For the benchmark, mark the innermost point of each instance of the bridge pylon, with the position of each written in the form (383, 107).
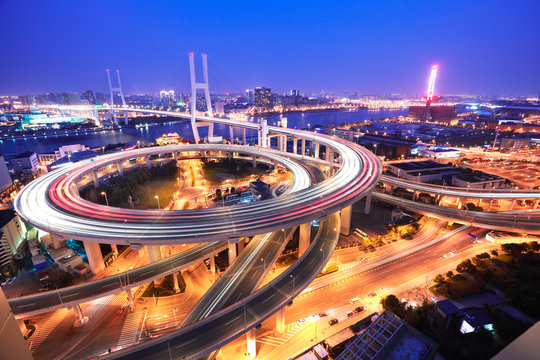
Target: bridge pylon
(193, 103)
(117, 89)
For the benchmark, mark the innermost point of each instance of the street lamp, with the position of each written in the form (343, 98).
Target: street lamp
(174, 311)
(106, 198)
(157, 198)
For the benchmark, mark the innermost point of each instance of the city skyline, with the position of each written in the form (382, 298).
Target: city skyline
(365, 48)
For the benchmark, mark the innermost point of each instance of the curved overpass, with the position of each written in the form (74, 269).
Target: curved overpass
(461, 192)
(521, 221)
(52, 203)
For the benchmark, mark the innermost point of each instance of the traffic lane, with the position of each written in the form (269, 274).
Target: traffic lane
(112, 284)
(202, 337)
(242, 277)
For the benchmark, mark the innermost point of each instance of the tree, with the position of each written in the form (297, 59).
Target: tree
(449, 274)
(439, 279)
(494, 252)
(511, 249)
(392, 304)
(218, 192)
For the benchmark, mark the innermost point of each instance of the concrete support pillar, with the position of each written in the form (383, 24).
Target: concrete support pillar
(56, 240)
(304, 238)
(244, 142)
(440, 199)
(154, 253)
(346, 220)
(232, 251)
(512, 206)
(458, 203)
(327, 154)
(536, 203)
(254, 162)
(94, 255)
(241, 245)
(280, 321)
(303, 147)
(148, 162)
(231, 134)
(130, 299)
(80, 319)
(175, 281)
(114, 248)
(295, 146)
(212, 264)
(95, 178)
(210, 129)
(317, 148)
(251, 344)
(120, 169)
(175, 156)
(22, 326)
(490, 203)
(367, 206)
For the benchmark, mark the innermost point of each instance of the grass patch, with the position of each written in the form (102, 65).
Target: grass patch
(164, 188)
(32, 330)
(166, 288)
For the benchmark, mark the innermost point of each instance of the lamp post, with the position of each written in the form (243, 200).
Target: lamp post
(174, 311)
(106, 198)
(157, 198)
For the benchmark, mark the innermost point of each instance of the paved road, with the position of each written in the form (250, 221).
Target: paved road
(56, 299)
(202, 337)
(516, 221)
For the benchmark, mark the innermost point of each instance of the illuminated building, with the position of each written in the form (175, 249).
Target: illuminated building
(263, 97)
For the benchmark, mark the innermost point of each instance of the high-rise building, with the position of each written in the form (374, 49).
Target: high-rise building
(89, 95)
(250, 96)
(167, 98)
(295, 92)
(263, 97)
(5, 178)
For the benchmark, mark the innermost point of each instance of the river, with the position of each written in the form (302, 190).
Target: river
(149, 134)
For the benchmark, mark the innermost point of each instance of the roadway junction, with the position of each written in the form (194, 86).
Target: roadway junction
(52, 203)
(324, 188)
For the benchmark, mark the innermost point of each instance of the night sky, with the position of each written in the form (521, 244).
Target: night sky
(486, 47)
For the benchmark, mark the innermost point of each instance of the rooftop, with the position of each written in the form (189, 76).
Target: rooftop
(420, 165)
(388, 337)
(477, 177)
(447, 306)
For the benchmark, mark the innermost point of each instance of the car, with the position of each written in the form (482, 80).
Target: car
(354, 299)
(358, 309)
(5, 282)
(300, 321)
(322, 314)
(349, 313)
(372, 294)
(11, 281)
(334, 321)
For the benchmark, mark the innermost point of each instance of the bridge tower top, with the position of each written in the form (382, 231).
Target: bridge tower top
(199, 86)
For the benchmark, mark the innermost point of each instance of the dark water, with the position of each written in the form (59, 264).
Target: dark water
(149, 134)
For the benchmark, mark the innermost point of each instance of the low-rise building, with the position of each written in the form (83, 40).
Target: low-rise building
(422, 171)
(12, 236)
(26, 163)
(515, 143)
(478, 180)
(439, 152)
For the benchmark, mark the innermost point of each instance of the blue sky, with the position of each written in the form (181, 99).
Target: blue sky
(482, 47)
